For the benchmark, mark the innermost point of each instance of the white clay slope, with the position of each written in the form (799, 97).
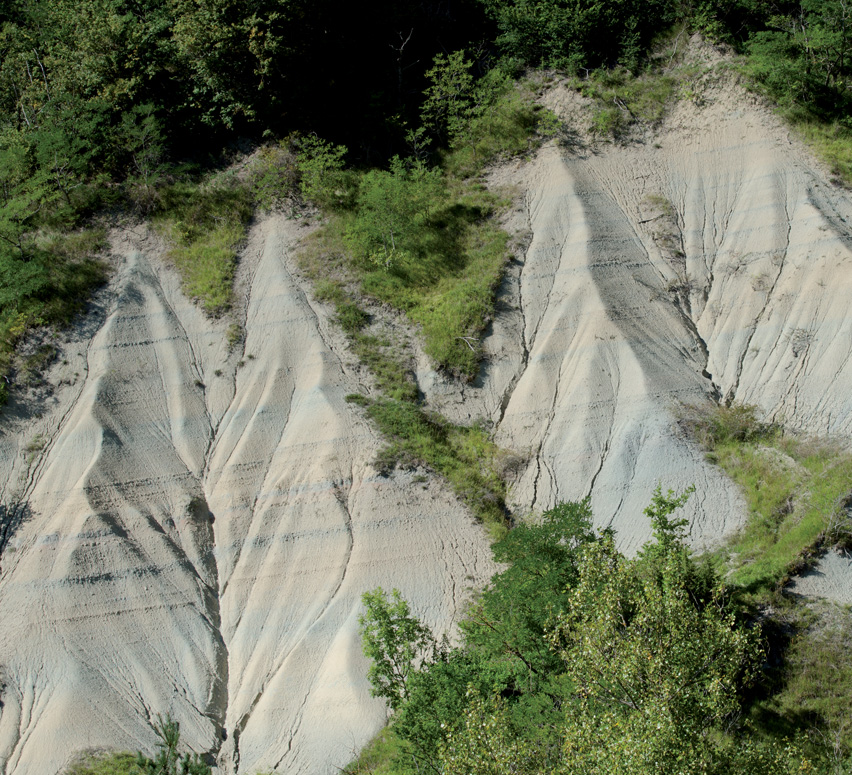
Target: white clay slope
(182, 542)
(198, 544)
(711, 260)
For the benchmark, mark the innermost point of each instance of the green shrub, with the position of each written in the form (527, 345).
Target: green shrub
(719, 424)
(206, 223)
(167, 758)
(323, 179)
(385, 754)
(351, 317)
(505, 121)
(274, 176)
(393, 210)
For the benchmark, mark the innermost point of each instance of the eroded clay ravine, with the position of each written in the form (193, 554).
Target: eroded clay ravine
(708, 260)
(200, 530)
(188, 530)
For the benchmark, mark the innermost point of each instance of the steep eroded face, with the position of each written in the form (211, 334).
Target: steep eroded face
(201, 526)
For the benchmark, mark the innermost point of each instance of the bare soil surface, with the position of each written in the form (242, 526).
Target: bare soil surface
(194, 530)
(829, 579)
(188, 529)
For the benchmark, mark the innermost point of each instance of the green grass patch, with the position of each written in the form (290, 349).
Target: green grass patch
(830, 142)
(621, 98)
(48, 285)
(108, 763)
(379, 356)
(794, 488)
(206, 223)
(464, 456)
(385, 754)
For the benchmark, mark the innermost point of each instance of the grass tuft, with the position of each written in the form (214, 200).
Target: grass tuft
(381, 756)
(795, 488)
(206, 223)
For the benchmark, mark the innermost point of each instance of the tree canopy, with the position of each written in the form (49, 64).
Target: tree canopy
(578, 660)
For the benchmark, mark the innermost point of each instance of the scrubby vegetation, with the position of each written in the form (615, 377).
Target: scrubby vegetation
(576, 659)
(796, 489)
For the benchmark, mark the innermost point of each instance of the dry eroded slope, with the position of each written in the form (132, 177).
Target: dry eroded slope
(183, 541)
(197, 544)
(710, 259)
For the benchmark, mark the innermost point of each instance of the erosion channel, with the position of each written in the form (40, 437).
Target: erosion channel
(189, 530)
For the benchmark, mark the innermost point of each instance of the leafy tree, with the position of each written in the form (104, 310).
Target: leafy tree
(658, 661)
(396, 642)
(437, 698)
(505, 650)
(67, 143)
(19, 280)
(803, 57)
(484, 742)
(447, 107)
(653, 673)
(242, 55)
(513, 613)
(143, 139)
(578, 660)
(24, 191)
(391, 206)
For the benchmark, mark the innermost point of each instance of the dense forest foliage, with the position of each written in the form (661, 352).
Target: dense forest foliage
(577, 660)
